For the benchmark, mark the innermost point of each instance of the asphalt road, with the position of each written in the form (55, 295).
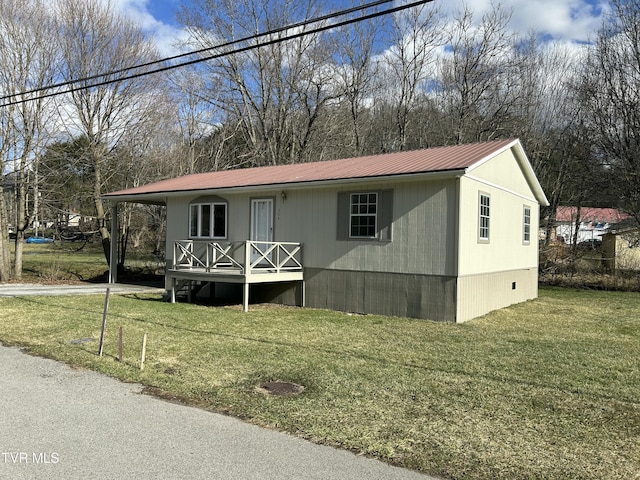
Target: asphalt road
(61, 423)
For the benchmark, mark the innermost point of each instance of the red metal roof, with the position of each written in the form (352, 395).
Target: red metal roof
(590, 214)
(432, 160)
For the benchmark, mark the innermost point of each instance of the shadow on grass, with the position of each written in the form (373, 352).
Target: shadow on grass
(39, 301)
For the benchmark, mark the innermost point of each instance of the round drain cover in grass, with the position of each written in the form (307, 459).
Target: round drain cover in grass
(280, 388)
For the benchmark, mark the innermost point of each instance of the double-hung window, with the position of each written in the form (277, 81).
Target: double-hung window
(363, 217)
(208, 220)
(526, 225)
(484, 217)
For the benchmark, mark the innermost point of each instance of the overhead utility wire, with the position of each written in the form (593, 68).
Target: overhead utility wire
(202, 50)
(224, 54)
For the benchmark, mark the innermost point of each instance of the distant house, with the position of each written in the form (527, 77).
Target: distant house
(591, 225)
(446, 233)
(73, 219)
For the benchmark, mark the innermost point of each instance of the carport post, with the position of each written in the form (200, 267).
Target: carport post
(113, 254)
(245, 297)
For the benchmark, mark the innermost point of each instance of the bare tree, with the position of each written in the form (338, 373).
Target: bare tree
(195, 117)
(97, 40)
(355, 73)
(202, 137)
(415, 35)
(610, 94)
(476, 89)
(276, 93)
(548, 119)
(151, 154)
(27, 62)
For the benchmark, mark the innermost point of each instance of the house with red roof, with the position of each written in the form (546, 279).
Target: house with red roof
(585, 224)
(446, 233)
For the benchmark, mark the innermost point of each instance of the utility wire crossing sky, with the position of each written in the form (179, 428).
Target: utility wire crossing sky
(323, 20)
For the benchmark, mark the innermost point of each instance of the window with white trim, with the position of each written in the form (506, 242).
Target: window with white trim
(363, 216)
(526, 224)
(208, 220)
(484, 217)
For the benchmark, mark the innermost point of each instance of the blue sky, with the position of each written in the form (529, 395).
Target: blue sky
(560, 20)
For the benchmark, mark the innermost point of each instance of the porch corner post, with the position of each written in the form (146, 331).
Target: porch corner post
(245, 297)
(113, 254)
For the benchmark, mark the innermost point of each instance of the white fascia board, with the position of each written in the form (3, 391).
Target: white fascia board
(524, 163)
(500, 187)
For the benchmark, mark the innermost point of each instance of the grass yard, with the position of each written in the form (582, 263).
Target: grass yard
(546, 389)
(67, 262)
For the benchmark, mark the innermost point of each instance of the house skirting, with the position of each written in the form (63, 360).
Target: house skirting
(480, 294)
(402, 295)
(431, 297)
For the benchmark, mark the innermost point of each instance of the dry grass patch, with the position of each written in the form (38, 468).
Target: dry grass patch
(545, 389)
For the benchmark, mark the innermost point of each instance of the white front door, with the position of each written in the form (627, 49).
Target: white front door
(261, 224)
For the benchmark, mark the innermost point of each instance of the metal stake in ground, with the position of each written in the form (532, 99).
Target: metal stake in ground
(104, 321)
(144, 350)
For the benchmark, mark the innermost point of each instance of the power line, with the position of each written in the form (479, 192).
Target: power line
(203, 50)
(219, 55)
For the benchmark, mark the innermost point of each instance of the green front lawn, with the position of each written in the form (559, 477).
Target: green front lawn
(73, 262)
(546, 389)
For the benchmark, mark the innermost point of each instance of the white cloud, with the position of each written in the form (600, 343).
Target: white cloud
(166, 36)
(564, 20)
(559, 20)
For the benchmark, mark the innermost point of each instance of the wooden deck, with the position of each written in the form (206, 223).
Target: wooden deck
(245, 262)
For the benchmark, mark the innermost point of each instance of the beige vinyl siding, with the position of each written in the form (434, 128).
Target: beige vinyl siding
(480, 294)
(505, 249)
(504, 170)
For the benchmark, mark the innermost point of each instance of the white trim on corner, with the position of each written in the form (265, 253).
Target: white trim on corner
(525, 164)
(499, 187)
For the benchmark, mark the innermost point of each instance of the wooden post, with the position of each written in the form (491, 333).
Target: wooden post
(120, 344)
(104, 321)
(144, 351)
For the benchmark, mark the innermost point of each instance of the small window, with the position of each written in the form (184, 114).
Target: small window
(484, 217)
(526, 225)
(365, 216)
(208, 220)
(364, 212)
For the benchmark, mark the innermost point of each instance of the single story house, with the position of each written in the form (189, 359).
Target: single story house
(446, 233)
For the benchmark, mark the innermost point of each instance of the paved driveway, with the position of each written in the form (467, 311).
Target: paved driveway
(22, 289)
(61, 423)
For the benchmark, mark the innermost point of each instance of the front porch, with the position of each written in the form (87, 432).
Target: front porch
(245, 262)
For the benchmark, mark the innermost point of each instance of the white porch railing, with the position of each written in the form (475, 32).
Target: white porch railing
(246, 257)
